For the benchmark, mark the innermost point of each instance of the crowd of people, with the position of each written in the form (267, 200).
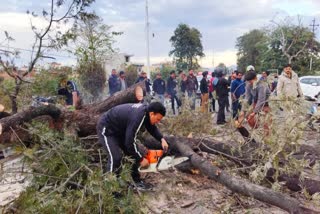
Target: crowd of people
(253, 91)
(238, 86)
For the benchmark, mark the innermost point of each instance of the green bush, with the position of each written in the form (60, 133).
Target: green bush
(66, 181)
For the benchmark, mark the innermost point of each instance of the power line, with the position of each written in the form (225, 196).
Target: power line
(28, 50)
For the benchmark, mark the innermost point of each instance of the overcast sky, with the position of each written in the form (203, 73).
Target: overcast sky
(219, 21)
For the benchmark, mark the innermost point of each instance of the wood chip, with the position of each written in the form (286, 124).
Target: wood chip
(187, 204)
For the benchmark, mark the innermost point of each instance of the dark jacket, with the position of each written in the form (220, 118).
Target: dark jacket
(159, 86)
(260, 95)
(191, 83)
(204, 86)
(183, 86)
(222, 87)
(171, 86)
(148, 84)
(67, 91)
(114, 84)
(125, 121)
(237, 88)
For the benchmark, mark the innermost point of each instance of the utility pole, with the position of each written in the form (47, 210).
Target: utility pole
(147, 40)
(314, 25)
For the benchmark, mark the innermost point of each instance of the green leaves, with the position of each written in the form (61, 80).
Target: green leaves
(66, 182)
(187, 47)
(281, 43)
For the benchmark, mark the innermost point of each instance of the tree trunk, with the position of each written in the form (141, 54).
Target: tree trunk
(83, 120)
(242, 186)
(242, 158)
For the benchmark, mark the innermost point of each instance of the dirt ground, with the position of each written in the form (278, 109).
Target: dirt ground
(177, 192)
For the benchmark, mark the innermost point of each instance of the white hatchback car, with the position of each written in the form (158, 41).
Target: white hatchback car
(310, 85)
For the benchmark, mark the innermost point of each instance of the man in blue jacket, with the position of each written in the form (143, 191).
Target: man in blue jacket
(237, 90)
(159, 87)
(117, 130)
(114, 82)
(69, 89)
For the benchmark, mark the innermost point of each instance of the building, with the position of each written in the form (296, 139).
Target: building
(117, 61)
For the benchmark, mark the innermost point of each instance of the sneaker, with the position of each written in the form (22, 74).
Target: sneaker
(142, 186)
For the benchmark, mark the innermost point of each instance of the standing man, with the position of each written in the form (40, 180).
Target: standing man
(159, 87)
(181, 84)
(142, 77)
(114, 82)
(248, 95)
(222, 92)
(117, 131)
(261, 92)
(192, 87)
(172, 90)
(69, 89)
(204, 92)
(123, 81)
(211, 92)
(237, 90)
(288, 83)
(191, 84)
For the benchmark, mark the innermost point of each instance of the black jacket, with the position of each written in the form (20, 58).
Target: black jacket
(114, 84)
(125, 121)
(222, 89)
(67, 91)
(204, 86)
(148, 84)
(159, 86)
(171, 86)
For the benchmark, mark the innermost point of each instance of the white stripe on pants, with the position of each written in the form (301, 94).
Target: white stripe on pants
(106, 143)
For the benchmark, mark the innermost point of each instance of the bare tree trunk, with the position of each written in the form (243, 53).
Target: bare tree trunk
(242, 186)
(243, 157)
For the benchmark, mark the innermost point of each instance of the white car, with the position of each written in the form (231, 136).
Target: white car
(310, 85)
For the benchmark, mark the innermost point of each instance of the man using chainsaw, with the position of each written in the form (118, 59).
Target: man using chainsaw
(117, 130)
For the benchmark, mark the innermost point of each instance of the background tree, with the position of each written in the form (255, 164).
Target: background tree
(281, 43)
(251, 47)
(295, 41)
(187, 47)
(46, 39)
(93, 41)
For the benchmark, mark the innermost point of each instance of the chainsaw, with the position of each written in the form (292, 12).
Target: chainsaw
(160, 162)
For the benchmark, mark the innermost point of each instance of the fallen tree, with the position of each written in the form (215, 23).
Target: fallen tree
(242, 186)
(241, 158)
(83, 121)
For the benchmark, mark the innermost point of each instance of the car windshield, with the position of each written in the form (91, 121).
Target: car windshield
(311, 80)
